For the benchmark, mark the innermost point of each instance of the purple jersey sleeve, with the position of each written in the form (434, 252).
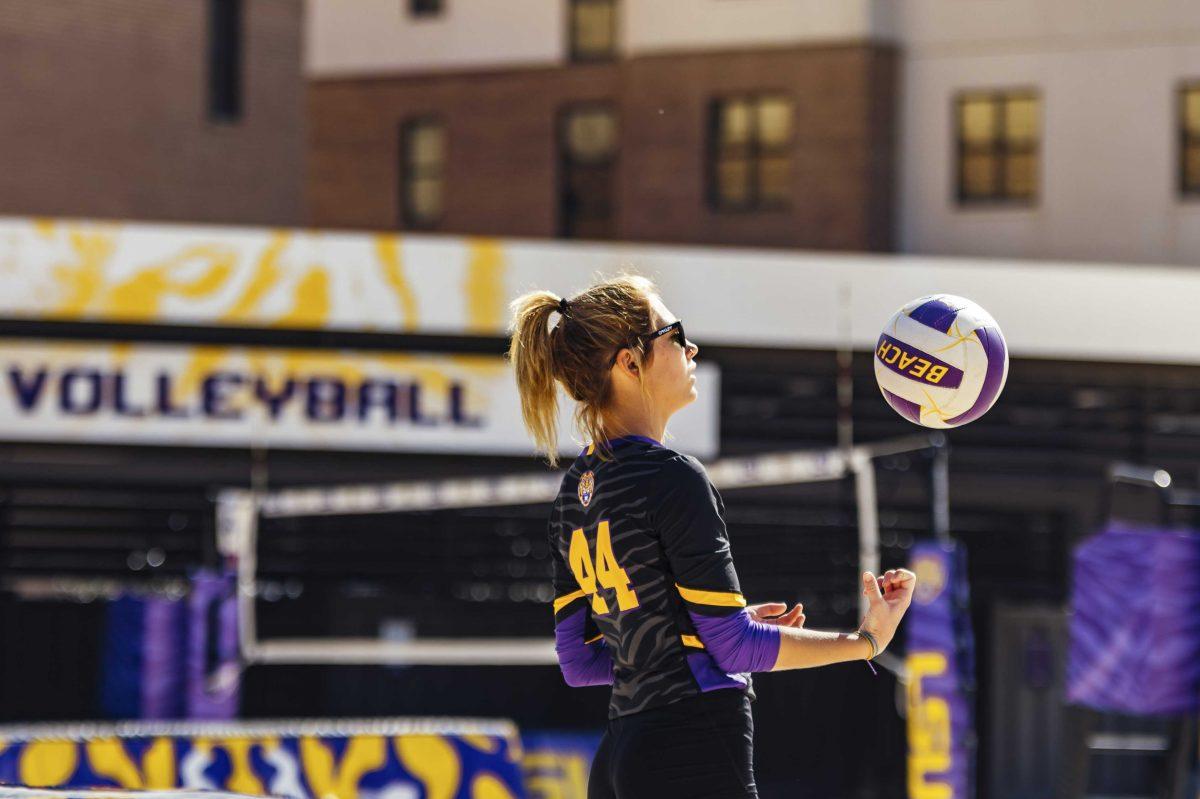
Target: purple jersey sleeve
(737, 643)
(582, 655)
(582, 663)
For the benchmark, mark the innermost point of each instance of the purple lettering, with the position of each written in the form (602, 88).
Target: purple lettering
(274, 400)
(120, 401)
(458, 411)
(93, 388)
(326, 400)
(377, 394)
(215, 398)
(162, 391)
(28, 393)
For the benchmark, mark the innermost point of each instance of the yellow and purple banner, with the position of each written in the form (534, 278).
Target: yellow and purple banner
(399, 759)
(940, 665)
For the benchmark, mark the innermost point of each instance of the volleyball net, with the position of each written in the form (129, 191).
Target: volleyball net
(249, 521)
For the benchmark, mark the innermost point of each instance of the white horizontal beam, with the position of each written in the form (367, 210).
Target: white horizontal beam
(421, 652)
(784, 468)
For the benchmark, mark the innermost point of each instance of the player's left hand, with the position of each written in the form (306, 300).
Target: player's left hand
(774, 613)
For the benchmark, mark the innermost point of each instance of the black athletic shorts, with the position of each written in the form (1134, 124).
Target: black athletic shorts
(701, 747)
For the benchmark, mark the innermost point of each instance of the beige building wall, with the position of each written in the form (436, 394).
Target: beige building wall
(651, 26)
(369, 37)
(1108, 74)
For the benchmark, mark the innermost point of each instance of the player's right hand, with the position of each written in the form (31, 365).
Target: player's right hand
(887, 600)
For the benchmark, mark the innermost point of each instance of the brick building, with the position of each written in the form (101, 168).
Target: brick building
(144, 109)
(579, 119)
(1068, 130)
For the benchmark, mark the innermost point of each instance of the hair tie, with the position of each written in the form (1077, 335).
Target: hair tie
(562, 306)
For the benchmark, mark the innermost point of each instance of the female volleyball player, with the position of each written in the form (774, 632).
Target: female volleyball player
(647, 599)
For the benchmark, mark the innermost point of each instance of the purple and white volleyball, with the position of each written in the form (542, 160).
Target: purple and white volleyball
(941, 361)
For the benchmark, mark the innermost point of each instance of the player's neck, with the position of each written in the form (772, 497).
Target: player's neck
(635, 422)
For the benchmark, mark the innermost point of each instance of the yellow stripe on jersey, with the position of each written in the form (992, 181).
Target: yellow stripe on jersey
(594, 640)
(691, 640)
(725, 599)
(591, 449)
(567, 599)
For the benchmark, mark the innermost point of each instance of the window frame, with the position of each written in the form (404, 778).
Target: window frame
(574, 54)
(1001, 148)
(225, 45)
(565, 162)
(1185, 140)
(418, 12)
(409, 219)
(754, 153)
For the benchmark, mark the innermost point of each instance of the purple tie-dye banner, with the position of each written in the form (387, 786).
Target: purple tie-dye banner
(941, 668)
(214, 669)
(1135, 625)
(163, 628)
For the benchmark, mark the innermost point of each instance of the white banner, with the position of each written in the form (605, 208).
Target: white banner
(308, 399)
(255, 277)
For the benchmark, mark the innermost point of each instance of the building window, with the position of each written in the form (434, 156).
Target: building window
(588, 151)
(593, 29)
(422, 161)
(424, 8)
(998, 136)
(1189, 139)
(225, 60)
(750, 152)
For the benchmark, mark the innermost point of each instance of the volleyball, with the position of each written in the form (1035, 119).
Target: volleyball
(941, 361)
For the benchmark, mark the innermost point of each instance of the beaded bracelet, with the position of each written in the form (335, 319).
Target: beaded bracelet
(874, 644)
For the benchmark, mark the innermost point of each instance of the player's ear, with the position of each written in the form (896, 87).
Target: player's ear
(627, 362)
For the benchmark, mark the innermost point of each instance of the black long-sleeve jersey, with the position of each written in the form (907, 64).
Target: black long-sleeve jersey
(640, 549)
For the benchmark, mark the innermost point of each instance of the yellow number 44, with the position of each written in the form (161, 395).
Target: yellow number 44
(606, 571)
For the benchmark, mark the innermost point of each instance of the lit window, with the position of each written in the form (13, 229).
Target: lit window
(424, 8)
(998, 137)
(750, 147)
(593, 29)
(1189, 135)
(422, 158)
(588, 144)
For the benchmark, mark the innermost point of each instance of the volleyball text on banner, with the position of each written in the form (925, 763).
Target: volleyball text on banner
(170, 394)
(940, 665)
(1135, 621)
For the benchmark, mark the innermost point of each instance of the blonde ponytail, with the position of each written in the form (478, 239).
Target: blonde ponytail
(577, 352)
(532, 354)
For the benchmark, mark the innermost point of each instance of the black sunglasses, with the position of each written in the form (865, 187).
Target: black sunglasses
(675, 327)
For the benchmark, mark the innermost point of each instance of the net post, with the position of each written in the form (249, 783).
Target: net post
(863, 468)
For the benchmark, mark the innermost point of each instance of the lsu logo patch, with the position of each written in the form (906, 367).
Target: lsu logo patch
(587, 485)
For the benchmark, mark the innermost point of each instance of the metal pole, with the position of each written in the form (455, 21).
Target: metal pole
(868, 521)
(939, 490)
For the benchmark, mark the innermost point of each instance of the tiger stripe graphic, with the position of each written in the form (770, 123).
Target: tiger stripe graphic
(648, 546)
